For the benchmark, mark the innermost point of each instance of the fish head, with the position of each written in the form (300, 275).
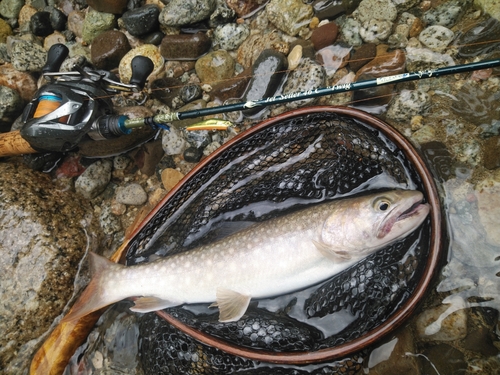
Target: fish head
(369, 223)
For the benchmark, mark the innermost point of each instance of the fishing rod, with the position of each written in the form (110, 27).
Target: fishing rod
(75, 105)
(335, 89)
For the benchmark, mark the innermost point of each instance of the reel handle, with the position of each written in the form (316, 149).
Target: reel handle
(55, 57)
(142, 67)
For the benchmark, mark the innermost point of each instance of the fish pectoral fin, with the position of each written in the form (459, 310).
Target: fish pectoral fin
(232, 305)
(331, 253)
(148, 304)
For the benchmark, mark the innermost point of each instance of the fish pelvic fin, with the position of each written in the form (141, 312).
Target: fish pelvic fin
(232, 305)
(93, 298)
(331, 253)
(148, 304)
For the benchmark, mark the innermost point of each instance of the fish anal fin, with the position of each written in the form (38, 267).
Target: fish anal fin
(331, 253)
(232, 305)
(148, 304)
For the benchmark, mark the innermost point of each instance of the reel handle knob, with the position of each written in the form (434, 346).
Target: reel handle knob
(55, 57)
(142, 67)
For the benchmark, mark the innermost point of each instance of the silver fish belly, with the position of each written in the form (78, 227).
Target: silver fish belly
(275, 257)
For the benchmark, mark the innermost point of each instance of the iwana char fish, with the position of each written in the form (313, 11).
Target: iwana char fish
(267, 259)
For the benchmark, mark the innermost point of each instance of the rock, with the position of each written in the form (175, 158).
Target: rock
(108, 49)
(324, 35)
(491, 156)
(230, 36)
(309, 75)
(167, 90)
(131, 194)
(58, 19)
(153, 153)
(189, 93)
(333, 58)
(54, 38)
(5, 31)
(147, 50)
(70, 167)
(383, 10)
(489, 6)
(170, 177)
(480, 341)
(444, 359)
(96, 23)
(173, 142)
(403, 5)
(75, 22)
(108, 221)
(27, 56)
(121, 162)
(267, 75)
(481, 39)
(446, 322)
(185, 12)
(185, 46)
(488, 200)
(94, 180)
(40, 24)
(362, 56)
(384, 64)
(408, 103)
(22, 82)
(244, 8)
(436, 37)
(290, 16)
(253, 46)
(192, 154)
(10, 8)
(43, 235)
(11, 106)
(108, 6)
(222, 14)
(350, 32)
(328, 9)
(446, 14)
(375, 31)
(166, 161)
(143, 20)
(294, 57)
(215, 66)
(425, 134)
(423, 58)
(232, 88)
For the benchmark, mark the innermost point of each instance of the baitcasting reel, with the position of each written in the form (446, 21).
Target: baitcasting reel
(76, 104)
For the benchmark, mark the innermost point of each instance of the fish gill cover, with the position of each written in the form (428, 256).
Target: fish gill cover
(288, 164)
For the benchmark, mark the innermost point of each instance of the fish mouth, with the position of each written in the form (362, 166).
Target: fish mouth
(405, 218)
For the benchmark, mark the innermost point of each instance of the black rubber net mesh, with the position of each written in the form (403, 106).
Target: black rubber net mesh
(299, 161)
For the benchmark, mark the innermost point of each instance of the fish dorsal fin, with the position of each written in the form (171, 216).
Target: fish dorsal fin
(148, 304)
(331, 253)
(232, 305)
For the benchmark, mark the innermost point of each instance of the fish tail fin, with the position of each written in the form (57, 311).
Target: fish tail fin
(93, 297)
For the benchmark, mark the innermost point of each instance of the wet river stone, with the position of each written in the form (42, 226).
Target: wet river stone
(267, 75)
(142, 20)
(108, 6)
(215, 66)
(96, 23)
(108, 48)
(185, 12)
(290, 16)
(185, 46)
(43, 235)
(40, 24)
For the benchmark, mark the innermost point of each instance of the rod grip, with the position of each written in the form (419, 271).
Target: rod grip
(12, 144)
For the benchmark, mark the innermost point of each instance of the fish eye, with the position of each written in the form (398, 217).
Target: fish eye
(382, 204)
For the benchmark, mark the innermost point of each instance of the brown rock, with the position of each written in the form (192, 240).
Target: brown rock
(185, 46)
(108, 48)
(491, 155)
(22, 82)
(324, 35)
(215, 66)
(384, 64)
(108, 6)
(362, 56)
(170, 177)
(231, 88)
(242, 7)
(416, 27)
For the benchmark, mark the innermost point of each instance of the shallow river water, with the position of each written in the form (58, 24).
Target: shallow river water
(456, 328)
